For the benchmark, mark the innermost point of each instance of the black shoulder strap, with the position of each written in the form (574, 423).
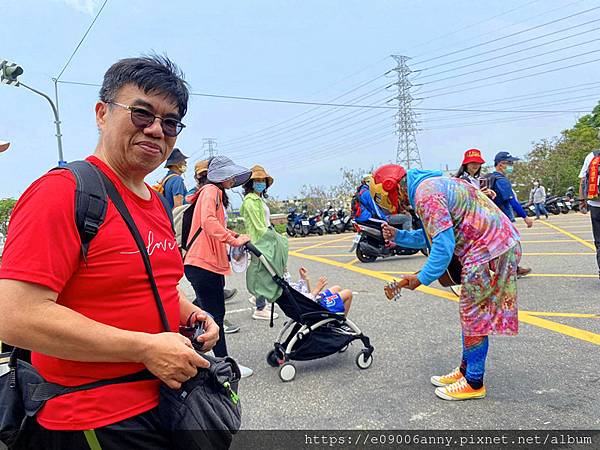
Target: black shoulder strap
(90, 201)
(167, 207)
(120, 205)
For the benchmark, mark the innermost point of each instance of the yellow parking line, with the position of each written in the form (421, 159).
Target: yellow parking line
(524, 317)
(571, 235)
(354, 261)
(558, 314)
(319, 245)
(559, 254)
(535, 233)
(549, 275)
(546, 241)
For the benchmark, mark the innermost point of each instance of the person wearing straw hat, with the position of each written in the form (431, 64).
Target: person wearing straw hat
(200, 171)
(257, 219)
(206, 262)
(172, 183)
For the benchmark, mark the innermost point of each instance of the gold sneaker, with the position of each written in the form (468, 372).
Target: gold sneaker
(444, 380)
(461, 390)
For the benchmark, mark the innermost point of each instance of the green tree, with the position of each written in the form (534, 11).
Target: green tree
(6, 207)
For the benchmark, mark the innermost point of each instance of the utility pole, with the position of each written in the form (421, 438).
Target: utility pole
(407, 152)
(9, 72)
(210, 146)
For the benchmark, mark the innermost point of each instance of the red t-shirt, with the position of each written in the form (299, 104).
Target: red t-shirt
(43, 247)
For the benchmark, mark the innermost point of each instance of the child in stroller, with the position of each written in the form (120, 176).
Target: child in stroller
(335, 299)
(312, 331)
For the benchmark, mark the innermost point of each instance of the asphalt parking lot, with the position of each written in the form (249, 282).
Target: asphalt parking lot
(547, 377)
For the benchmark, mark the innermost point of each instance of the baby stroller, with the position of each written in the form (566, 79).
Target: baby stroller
(311, 332)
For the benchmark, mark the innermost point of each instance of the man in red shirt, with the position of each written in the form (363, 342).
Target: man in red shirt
(96, 319)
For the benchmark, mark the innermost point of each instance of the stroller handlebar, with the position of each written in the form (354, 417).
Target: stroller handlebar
(252, 249)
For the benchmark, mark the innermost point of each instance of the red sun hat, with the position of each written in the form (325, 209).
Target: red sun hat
(473, 155)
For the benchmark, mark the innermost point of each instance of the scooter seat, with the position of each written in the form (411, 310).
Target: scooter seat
(396, 219)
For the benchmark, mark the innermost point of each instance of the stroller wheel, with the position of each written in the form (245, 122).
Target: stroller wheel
(272, 359)
(343, 349)
(363, 361)
(287, 372)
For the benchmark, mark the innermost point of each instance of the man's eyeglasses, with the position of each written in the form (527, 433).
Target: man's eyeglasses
(142, 119)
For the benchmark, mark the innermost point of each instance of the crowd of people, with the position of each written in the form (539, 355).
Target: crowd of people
(84, 305)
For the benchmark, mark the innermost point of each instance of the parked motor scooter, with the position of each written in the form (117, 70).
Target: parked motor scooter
(294, 223)
(315, 224)
(370, 245)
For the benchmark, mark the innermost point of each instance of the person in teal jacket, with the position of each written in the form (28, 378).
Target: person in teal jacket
(257, 219)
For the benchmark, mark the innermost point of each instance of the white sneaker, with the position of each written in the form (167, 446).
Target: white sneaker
(245, 371)
(252, 300)
(264, 314)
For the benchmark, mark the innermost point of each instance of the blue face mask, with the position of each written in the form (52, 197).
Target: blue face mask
(509, 170)
(259, 186)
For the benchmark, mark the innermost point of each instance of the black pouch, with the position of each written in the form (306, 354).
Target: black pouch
(16, 404)
(205, 412)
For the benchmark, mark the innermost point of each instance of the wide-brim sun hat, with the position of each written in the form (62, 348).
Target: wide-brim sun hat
(473, 155)
(176, 157)
(221, 169)
(258, 172)
(201, 167)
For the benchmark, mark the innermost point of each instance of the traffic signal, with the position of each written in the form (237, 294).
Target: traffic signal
(9, 72)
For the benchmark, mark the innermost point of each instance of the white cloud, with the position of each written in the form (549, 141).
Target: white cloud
(86, 6)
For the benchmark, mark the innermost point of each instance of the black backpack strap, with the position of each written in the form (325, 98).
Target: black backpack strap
(168, 209)
(120, 205)
(90, 201)
(47, 391)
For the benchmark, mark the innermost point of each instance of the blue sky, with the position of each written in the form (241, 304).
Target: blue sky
(310, 50)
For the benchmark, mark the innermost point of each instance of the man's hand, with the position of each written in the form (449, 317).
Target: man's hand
(582, 206)
(211, 330)
(171, 357)
(528, 222)
(389, 232)
(413, 281)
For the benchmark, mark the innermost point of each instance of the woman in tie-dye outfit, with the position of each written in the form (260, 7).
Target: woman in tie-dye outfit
(460, 220)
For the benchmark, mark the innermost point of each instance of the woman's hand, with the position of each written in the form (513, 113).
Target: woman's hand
(240, 240)
(389, 232)
(489, 192)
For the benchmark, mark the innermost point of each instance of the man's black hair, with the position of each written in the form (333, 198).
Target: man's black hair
(153, 74)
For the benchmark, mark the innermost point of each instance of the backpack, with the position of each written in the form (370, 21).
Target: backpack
(91, 202)
(591, 182)
(182, 223)
(355, 205)
(160, 186)
(492, 178)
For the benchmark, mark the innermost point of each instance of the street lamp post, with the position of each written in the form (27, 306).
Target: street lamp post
(9, 72)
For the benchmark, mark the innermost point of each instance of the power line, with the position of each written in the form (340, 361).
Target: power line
(525, 20)
(513, 52)
(532, 95)
(303, 131)
(81, 41)
(490, 121)
(269, 136)
(512, 79)
(510, 35)
(519, 109)
(258, 132)
(344, 105)
(473, 25)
